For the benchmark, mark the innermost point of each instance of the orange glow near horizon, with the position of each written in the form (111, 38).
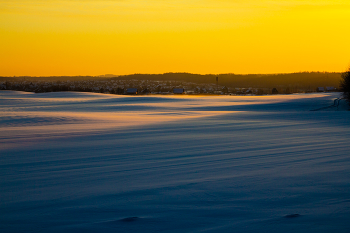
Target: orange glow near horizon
(95, 37)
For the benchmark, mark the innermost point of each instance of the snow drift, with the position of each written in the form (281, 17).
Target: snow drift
(82, 162)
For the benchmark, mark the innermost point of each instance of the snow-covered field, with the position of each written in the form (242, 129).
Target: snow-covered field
(83, 162)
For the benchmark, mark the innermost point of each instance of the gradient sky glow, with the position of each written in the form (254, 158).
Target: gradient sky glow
(93, 37)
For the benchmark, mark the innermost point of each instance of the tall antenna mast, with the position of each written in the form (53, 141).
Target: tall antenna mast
(217, 83)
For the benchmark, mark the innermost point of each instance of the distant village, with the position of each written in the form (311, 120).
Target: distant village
(143, 87)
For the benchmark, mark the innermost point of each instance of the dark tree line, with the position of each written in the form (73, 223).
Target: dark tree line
(345, 85)
(303, 80)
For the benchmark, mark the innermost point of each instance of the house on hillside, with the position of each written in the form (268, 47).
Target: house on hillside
(178, 90)
(131, 91)
(320, 89)
(330, 88)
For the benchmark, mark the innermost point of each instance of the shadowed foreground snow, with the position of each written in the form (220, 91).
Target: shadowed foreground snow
(83, 162)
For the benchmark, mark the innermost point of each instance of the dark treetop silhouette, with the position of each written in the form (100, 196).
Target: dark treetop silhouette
(345, 85)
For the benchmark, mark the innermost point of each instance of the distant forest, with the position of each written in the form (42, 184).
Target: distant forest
(306, 80)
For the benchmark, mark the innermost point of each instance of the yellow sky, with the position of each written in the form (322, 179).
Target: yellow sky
(93, 37)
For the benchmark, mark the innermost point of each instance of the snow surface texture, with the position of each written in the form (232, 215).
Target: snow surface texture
(83, 162)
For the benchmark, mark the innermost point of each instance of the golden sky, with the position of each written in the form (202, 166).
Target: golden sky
(94, 37)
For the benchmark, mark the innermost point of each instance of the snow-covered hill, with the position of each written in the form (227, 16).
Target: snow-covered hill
(83, 162)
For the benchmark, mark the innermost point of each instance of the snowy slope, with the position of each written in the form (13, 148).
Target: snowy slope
(83, 162)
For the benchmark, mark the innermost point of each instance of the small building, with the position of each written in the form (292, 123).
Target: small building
(131, 91)
(178, 90)
(330, 88)
(320, 89)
